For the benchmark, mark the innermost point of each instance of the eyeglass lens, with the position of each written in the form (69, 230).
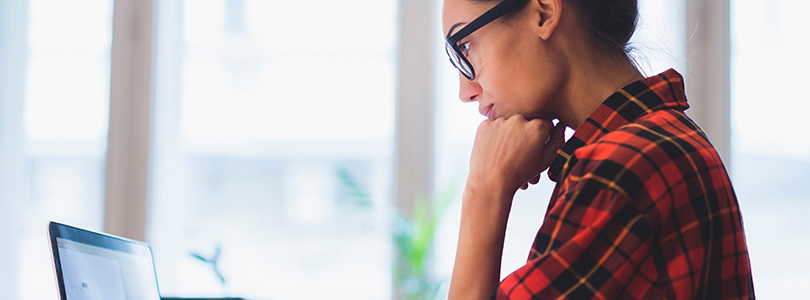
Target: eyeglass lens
(459, 63)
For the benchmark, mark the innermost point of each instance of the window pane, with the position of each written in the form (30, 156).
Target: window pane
(277, 154)
(771, 149)
(63, 130)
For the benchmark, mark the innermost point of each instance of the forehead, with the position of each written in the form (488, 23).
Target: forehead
(458, 11)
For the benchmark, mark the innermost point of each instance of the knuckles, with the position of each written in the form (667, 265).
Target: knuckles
(540, 128)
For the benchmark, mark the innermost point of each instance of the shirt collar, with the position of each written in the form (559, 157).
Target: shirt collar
(658, 92)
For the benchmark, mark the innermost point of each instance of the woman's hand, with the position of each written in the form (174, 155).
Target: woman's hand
(511, 153)
(508, 154)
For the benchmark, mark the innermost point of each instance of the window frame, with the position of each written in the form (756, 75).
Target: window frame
(12, 73)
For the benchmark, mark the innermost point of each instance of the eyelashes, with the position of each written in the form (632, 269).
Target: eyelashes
(465, 48)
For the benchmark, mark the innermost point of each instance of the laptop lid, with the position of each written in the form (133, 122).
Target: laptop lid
(96, 266)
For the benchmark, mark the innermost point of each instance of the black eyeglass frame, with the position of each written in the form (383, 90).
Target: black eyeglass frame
(451, 42)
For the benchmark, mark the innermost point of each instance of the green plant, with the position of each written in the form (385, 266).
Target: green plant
(412, 234)
(353, 192)
(413, 237)
(212, 262)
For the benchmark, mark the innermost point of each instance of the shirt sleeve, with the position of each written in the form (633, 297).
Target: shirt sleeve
(590, 246)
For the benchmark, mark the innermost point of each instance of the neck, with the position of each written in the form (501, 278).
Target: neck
(591, 81)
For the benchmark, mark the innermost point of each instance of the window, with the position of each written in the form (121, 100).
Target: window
(55, 130)
(771, 149)
(274, 149)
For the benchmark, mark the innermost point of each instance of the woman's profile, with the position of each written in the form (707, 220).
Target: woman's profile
(643, 207)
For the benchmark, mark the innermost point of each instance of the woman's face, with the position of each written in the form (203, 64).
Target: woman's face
(515, 69)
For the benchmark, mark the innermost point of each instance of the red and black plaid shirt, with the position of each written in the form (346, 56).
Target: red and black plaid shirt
(643, 209)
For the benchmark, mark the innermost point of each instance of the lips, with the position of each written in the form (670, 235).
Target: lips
(486, 111)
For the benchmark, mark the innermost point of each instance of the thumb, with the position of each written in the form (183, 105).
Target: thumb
(557, 138)
(555, 141)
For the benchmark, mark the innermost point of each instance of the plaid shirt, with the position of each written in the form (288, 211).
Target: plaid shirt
(643, 209)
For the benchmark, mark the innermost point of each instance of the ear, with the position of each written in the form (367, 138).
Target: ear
(547, 14)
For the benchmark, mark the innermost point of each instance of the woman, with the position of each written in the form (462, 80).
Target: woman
(643, 207)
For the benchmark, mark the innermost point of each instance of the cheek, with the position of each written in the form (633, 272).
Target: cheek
(515, 61)
(535, 76)
(510, 94)
(517, 77)
(511, 73)
(519, 89)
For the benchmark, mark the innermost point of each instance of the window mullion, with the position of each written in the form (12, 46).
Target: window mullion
(129, 137)
(708, 79)
(415, 94)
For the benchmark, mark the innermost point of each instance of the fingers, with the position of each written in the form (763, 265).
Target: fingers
(557, 138)
(532, 181)
(536, 179)
(544, 125)
(515, 147)
(555, 141)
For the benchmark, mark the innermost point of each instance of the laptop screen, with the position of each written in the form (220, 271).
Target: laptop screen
(92, 266)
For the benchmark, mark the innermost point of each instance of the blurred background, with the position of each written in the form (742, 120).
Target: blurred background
(316, 148)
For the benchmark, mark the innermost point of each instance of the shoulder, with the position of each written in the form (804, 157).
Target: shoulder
(664, 135)
(661, 147)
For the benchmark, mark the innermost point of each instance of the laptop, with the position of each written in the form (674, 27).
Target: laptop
(91, 265)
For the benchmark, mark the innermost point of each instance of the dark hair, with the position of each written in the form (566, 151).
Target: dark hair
(610, 22)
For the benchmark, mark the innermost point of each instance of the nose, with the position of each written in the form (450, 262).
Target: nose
(469, 90)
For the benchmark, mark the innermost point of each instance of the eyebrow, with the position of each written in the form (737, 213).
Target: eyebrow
(453, 27)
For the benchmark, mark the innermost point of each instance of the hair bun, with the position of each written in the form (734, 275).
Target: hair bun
(611, 22)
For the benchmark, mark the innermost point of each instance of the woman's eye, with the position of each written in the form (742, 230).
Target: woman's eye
(465, 47)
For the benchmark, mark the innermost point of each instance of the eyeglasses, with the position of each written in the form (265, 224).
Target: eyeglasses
(458, 54)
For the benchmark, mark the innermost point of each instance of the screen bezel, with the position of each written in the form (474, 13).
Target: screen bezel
(97, 239)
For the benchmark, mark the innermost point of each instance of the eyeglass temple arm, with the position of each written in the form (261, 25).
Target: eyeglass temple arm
(492, 14)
